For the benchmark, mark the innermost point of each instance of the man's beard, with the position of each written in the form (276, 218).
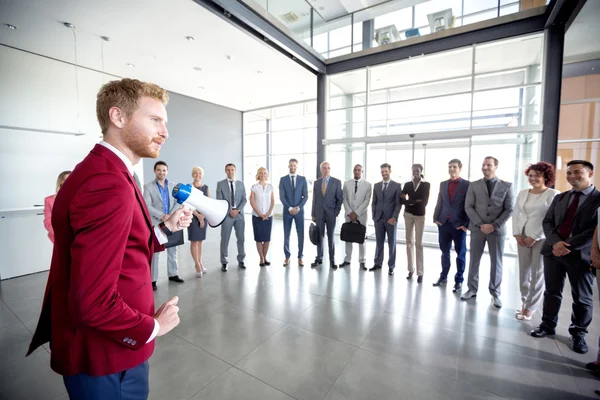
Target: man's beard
(139, 144)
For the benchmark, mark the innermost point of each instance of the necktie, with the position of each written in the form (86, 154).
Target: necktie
(293, 183)
(489, 187)
(355, 186)
(232, 194)
(384, 186)
(564, 230)
(324, 187)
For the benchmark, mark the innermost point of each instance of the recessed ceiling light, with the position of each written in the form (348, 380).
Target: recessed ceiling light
(259, 72)
(69, 25)
(105, 38)
(190, 38)
(197, 69)
(130, 65)
(321, 8)
(301, 92)
(200, 87)
(9, 26)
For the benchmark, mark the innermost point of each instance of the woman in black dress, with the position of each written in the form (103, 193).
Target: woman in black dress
(197, 229)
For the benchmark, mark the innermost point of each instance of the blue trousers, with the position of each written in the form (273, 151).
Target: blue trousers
(131, 384)
(448, 234)
(382, 228)
(287, 229)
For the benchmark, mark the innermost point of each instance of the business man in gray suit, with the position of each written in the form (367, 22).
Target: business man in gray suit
(326, 206)
(357, 196)
(489, 204)
(386, 208)
(233, 191)
(161, 204)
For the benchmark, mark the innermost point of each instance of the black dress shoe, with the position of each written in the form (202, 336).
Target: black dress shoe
(440, 282)
(176, 278)
(420, 279)
(578, 344)
(342, 265)
(154, 287)
(333, 265)
(391, 272)
(540, 332)
(457, 287)
(593, 366)
(363, 266)
(224, 267)
(242, 265)
(375, 267)
(316, 263)
(410, 274)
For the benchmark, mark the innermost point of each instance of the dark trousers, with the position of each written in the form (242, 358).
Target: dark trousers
(447, 234)
(329, 222)
(581, 280)
(382, 228)
(131, 384)
(287, 228)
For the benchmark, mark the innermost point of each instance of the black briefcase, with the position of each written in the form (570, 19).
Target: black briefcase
(353, 232)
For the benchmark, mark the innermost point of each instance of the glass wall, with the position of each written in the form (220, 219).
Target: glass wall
(468, 103)
(274, 135)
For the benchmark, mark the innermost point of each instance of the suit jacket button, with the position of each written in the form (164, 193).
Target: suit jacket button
(126, 339)
(488, 215)
(133, 343)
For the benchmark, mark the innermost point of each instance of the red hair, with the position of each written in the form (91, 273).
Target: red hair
(545, 169)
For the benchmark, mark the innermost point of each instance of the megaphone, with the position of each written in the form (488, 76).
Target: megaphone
(215, 211)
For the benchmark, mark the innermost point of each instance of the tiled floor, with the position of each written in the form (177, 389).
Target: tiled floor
(298, 333)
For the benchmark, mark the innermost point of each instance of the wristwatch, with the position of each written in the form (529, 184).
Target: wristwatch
(163, 227)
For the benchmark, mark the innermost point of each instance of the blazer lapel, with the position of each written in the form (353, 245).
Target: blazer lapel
(140, 199)
(589, 200)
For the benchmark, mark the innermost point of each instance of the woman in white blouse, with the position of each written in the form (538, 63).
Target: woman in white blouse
(262, 201)
(529, 212)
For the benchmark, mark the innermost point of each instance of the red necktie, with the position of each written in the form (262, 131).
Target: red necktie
(564, 231)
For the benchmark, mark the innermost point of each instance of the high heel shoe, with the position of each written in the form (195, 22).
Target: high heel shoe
(523, 317)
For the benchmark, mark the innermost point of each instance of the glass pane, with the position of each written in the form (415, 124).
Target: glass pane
(525, 51)
(358, 32)
(431, 89)
(579, 121)
(255, 145)
(480, 16)
(398, 155)
(310, 140)
(343, 87)
(255, 127)
(511, 9)
(500, 79)
(473, 6)
(401, 19)
(503, 98)
(343, 158)
(589, 151)
(422, 10)
(445, 104)
(281, 142)
(251, 165)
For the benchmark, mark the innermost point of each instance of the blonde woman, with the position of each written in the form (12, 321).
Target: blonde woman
(529, 212)
(49, 204)
(197, 229)
(262, 201)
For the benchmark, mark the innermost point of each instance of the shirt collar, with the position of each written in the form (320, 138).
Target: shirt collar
(455, 180)
(586, 191)
(493, 180)
(119, 154)
(293, 175)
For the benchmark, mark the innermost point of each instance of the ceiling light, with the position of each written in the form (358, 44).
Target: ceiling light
(259, 72)
(321, 8)
(9, 26)
(229, 57)
(105, 38)
(69, 25)
(197, 69)
(130, 65)
(200, 87)
(190, 38)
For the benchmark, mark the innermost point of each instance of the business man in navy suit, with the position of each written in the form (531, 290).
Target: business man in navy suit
(326, 206)
(452, 221)
(293, 193)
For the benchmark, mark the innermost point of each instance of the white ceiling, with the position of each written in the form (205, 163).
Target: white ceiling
(582, 41)
(151, 34)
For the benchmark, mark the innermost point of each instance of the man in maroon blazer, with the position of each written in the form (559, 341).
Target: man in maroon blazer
(98, 310)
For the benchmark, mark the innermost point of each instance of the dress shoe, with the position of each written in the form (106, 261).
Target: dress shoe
(468, 294)
(457, 287)
(363, 266)
(224, 267)
(440, 282)
(316, 263)
(540, 332)
(496, 302)
(176, 278)
(391, 271)
(410, 274)
(333, 265)
(375, 267)
(154, 287)
(242, 265)
(300, 262)
(286, 262)
(593, 366)
(420, 279)
(342, 265)
(578, 344)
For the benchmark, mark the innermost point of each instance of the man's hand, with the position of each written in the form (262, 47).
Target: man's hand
(294, 211)
(528, 242)
(165, 217)
(234, 213)
(560, 249)
(438, 223)
(486, 229)
(181, 218)
(462, 228)
(391, 221)
(353, 216)
(167, 316)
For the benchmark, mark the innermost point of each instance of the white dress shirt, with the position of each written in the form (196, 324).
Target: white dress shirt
(262, 198)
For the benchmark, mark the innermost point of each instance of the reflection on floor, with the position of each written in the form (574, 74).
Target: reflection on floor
(302, 333)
